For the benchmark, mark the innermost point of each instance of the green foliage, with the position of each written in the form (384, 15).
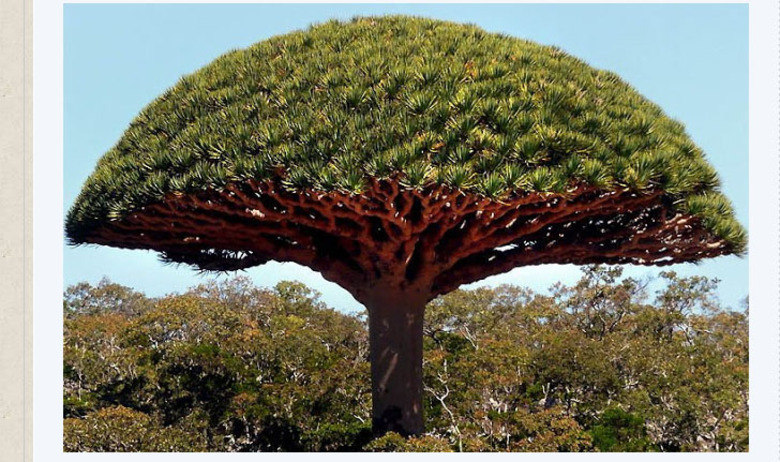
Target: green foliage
(620, 431)
(601, 365)
(330, 106)
(243, 362)
(393, 442)
(83, 298)
(119, 429)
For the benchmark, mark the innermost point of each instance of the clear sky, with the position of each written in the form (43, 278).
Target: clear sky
(692, 60)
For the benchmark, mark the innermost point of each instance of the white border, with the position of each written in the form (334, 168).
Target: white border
(48, 237)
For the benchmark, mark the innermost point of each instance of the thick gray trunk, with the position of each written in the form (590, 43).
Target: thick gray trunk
(396, 337)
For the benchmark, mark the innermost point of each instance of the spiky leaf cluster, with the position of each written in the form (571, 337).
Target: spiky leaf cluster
(425, 100)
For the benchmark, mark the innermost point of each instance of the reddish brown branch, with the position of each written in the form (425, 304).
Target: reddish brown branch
(641, 239)
(429, 240)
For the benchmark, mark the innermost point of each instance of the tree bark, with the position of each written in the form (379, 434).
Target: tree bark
(396, 341)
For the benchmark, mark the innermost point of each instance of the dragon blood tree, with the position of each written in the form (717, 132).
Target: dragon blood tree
(402, 157)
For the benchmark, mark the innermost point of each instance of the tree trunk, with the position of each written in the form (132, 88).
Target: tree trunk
(396, 339)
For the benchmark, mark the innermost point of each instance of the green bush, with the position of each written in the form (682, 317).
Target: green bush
(621, 431)
(119, 429)
(599, 365)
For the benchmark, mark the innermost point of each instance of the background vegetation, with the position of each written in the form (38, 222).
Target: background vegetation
(608, 364)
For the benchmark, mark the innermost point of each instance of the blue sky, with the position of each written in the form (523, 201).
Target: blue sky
(690, 59)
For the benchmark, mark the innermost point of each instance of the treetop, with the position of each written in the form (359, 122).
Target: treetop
(346, 107)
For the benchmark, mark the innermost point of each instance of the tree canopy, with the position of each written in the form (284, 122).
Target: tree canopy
(406, 131)
(606, 364)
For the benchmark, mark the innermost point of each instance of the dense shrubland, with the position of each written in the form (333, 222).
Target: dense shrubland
(607, 364)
